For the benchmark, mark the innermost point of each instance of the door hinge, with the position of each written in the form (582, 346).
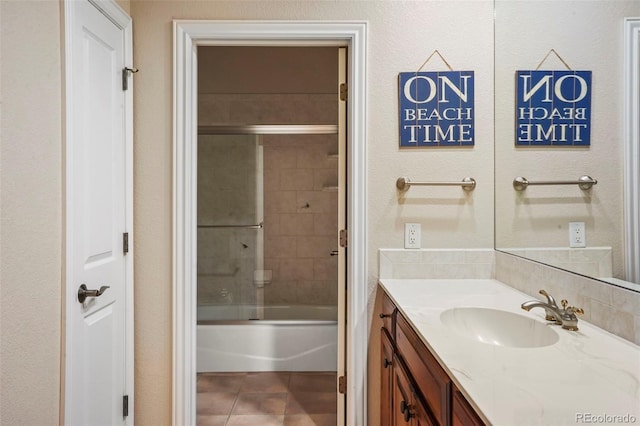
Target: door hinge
(342, 384)
(125, 405)
(343, 238)
(125, 243)
(343, 91)
(125, 76)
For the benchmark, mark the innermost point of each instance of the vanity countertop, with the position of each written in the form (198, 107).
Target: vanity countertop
(587, 376)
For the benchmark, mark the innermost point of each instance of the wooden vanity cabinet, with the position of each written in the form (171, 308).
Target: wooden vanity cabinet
(415, 388)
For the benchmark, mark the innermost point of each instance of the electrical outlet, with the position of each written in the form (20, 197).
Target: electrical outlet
(412, 236)
(577, 234)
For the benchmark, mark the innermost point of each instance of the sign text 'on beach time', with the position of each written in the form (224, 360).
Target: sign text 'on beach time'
(553, 108)
(436, 108)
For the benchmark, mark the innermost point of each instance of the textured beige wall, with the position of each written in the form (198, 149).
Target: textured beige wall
(539, 216)
(401, 35)
(31, 212)
(125, 5)
(274, 70)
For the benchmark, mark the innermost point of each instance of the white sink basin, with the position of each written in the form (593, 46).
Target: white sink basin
(499, 328)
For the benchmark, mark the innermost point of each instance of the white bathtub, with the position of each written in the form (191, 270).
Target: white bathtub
(280, 342)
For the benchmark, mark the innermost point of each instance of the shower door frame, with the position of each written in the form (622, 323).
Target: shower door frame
(188, 35)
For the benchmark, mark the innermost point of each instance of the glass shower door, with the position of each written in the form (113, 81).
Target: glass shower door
(230, 227)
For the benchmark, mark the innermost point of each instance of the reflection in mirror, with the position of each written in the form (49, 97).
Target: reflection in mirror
(535, 222)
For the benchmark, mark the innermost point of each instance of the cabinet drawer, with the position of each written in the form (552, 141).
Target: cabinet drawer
(388, 315)
(432, 381)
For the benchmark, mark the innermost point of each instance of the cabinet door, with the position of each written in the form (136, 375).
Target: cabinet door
(408, 409)
(386, 380)
(463, 413)
(421, 415)
(402, 395)
(432, 381)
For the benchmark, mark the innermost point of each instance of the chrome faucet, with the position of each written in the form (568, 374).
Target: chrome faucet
(566, 317)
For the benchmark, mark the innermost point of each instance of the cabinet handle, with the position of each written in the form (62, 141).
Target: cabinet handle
(385, 316)
(386, 363)
(407, 416)
(406, 410)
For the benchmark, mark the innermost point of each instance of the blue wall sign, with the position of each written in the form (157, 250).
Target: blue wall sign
(436, 108)
(553, 108)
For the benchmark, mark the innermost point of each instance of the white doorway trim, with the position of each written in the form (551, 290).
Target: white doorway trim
(631, 133)
(187, 36)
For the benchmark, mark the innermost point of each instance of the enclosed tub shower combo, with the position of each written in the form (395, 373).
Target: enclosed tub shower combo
(267, 270)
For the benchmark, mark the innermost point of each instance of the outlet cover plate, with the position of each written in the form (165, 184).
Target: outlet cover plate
(412, 236)
(577, 234)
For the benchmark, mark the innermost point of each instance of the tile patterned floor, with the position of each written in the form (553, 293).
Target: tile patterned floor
(267, 399)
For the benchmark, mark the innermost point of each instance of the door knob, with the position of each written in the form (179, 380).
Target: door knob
(83, 293)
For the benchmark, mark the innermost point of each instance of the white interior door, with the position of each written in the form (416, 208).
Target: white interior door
(98, 350)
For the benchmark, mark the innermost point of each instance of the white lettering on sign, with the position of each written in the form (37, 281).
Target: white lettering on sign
(539, 113)
(436, 133)
(424, 114)
(545, 83)
(553, 132)
(461, 91)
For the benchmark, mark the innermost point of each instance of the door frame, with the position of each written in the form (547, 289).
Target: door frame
(123, 21)
(188, 35)
(631, 132)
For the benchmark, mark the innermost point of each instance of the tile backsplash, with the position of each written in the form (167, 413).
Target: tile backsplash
(609, 307)
(591, 261)
(435, 263)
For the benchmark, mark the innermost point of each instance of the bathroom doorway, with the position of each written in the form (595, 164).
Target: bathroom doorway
(271, 196)
(188, 35)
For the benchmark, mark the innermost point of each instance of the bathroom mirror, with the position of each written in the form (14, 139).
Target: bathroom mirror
(535, 222)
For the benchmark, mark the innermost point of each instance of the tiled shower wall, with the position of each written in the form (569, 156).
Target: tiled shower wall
(300, 193)
(300, 199)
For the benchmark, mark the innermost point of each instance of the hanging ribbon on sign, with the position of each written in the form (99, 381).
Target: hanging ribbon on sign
(435, 52)
(557, 55)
